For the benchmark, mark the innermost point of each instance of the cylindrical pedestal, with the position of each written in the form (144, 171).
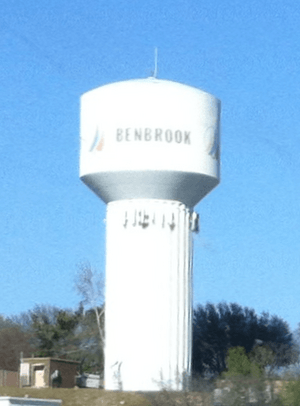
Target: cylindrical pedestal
(148, 305)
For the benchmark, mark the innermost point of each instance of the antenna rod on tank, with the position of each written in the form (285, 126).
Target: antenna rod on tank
(155, 62)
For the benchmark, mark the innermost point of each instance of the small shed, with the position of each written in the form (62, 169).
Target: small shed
(48, 372)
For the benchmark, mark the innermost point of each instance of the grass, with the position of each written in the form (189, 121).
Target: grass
(79, 397)
(201, 394)
(100, 397)
(169, 398)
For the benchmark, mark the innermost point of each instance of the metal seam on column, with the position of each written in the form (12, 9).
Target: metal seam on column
(179, 292)
(179, 307)
(184, 292)
(186, 270)
(180, 310)
(181, 289)
(188, 290)
(191, 249)
(178, 295)
(187, 242)
(188, 287)
(171, 322)
(174, 338)
(174, 296)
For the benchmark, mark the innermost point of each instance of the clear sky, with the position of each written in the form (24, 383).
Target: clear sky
(245, 53)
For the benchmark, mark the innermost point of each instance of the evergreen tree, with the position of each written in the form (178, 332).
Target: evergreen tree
(216, 329)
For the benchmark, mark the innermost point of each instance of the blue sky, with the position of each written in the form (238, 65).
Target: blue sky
(245, 53)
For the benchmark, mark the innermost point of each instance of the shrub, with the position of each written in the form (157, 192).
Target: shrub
(238, 364)
(290, 395)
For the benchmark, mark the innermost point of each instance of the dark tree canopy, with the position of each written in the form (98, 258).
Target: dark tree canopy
(53, 329)
(13, 341)
(218, 328)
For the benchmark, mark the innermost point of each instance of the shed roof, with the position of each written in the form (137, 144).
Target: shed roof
(40, 359)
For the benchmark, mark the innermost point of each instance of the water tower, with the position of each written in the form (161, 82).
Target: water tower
(150, 151)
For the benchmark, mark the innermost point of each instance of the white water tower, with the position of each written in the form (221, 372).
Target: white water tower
(150, 151)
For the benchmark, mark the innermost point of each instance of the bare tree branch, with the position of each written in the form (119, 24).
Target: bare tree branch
(90, 285)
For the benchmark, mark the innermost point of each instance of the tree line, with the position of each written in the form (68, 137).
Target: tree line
(48, 331)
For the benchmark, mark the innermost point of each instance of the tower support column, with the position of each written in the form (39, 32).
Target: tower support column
(148, 305)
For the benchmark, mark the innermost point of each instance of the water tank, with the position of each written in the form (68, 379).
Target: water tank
(150, 138)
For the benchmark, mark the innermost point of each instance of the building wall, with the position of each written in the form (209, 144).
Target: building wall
(68, 372)
(9, 378)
